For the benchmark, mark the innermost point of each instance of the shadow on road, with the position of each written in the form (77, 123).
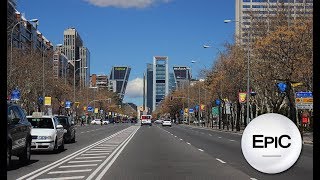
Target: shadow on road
(15, 164)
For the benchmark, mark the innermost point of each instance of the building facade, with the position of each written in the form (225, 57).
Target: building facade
(182, 76)
(60, 65)
(246, 11)
(85, 62)
(160, 79)
(99, 80)
(149, 87)
(118, 80)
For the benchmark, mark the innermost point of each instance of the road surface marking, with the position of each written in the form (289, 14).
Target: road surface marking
(71, 162)
(220, 160)
(181, 139)
(175, 136)
(210, 135)
(253, 179)
(91, 157)
(63, 178)
(231, 140)
(98, 151)
(202, 132)
(114, 156)
(172, 134)
(220, 137)
(188, 143)
(82, 132)
(200, 150)
(95, 154)
(71, 171)
(67, 158)
(79, 165)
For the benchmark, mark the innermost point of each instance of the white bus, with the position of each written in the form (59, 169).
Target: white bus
(146, 120)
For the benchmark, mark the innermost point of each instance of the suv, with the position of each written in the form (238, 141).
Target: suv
(67, 124)
(18, 134)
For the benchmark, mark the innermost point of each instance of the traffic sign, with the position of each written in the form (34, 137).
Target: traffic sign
(15, 95)
(304, 106)
(304, 94)
(191, 110)
(68, 104)
(90, 108)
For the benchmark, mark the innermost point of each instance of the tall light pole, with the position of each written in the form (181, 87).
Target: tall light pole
(43, 86)
(199, 110)
(74, 81)
(11, 44)
(248, 68)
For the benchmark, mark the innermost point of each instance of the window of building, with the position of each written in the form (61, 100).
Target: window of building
(246, 6)
(246, 0)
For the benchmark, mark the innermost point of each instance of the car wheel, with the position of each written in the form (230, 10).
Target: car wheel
(8, 155)
(74, 138)
(61, 147)
(24, 158)
(55, 148)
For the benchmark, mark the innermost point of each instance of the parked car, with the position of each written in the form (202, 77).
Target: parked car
(96, 121)
(18, 134)
(47, 133)
(68, 125)
(167, 122)
(105, 122)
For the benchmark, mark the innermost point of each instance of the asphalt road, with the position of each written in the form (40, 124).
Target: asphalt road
(128, 151)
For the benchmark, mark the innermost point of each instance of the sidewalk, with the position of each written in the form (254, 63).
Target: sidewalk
(307, 136)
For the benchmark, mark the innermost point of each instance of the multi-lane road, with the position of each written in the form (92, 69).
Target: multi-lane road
(128, 151)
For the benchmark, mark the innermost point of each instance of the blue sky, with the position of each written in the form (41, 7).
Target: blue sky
(131, 32)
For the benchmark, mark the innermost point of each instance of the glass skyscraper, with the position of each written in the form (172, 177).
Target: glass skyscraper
(160, 79)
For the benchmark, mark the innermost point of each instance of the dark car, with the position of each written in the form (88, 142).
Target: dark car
(18, 134)
(67, 124)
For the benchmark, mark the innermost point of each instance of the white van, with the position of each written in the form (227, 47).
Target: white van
(146, 120)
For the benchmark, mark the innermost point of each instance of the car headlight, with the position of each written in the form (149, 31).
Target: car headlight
(44, 137)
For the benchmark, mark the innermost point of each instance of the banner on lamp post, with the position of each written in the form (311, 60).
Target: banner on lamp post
(47, 101)
(242, 97)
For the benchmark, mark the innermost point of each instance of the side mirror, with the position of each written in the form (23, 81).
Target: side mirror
(59, 126)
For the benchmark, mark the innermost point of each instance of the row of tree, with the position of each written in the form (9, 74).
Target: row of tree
(282, 52)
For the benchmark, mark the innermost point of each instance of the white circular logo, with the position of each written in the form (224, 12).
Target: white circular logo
(271, 143)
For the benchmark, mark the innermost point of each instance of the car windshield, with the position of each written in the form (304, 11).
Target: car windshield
(63, 121)
(41, 123)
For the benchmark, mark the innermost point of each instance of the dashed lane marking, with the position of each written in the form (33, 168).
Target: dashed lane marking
(63, 178)
(73, 162)
(220, 160)
(188, 143)
(200, 150)
(181, 139)
(219, 137)
(91, 157)
(231, 140)
(210, 135)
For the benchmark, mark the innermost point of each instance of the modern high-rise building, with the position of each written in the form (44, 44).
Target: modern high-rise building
(72, 43)
(118, 80)
(182, 76)
(99, 80)
(172, 82)
(149, 87)
(85, 62)
(265, 10)
(160, 79)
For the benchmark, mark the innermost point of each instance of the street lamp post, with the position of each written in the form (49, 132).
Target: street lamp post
(248, 69)
(11, 44)
(43, 86)
(74, 82)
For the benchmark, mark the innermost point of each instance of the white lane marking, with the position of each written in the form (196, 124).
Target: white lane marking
(210, 135)
(231, 140)
(48, 167)
(71, 171)
(175, 136)
(98, 151)
(79, 165)
(95, 154)
(95, 157)
(253, 179)
(107, 145)
(181, 139)
(220, 137)
(220, 160)
(63, 178)
(188, 143)
(172, 134)
(72, 162)
(202, 132)
(200, 150)
(115, 153)
(82, 132)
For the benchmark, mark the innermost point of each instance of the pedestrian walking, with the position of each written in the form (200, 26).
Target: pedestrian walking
(82, 122)
(101, 122)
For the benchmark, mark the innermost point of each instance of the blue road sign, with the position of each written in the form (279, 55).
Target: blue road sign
(191, 110)
(304, 95)
(40, 99)
(218, 102)
(282, 86)
(15, 95)
(68, 104)
(90, 108)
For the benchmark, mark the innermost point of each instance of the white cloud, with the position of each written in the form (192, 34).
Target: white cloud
(125, 3)
(134, 88)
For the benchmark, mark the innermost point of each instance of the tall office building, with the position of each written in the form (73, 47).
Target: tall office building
(265, 10)
(119, 79)
(182, 76)
(85, 62)
(149, 87)
(71, 44)
(99, 80)
(60, 65)
(160, 79)
(172, 82)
